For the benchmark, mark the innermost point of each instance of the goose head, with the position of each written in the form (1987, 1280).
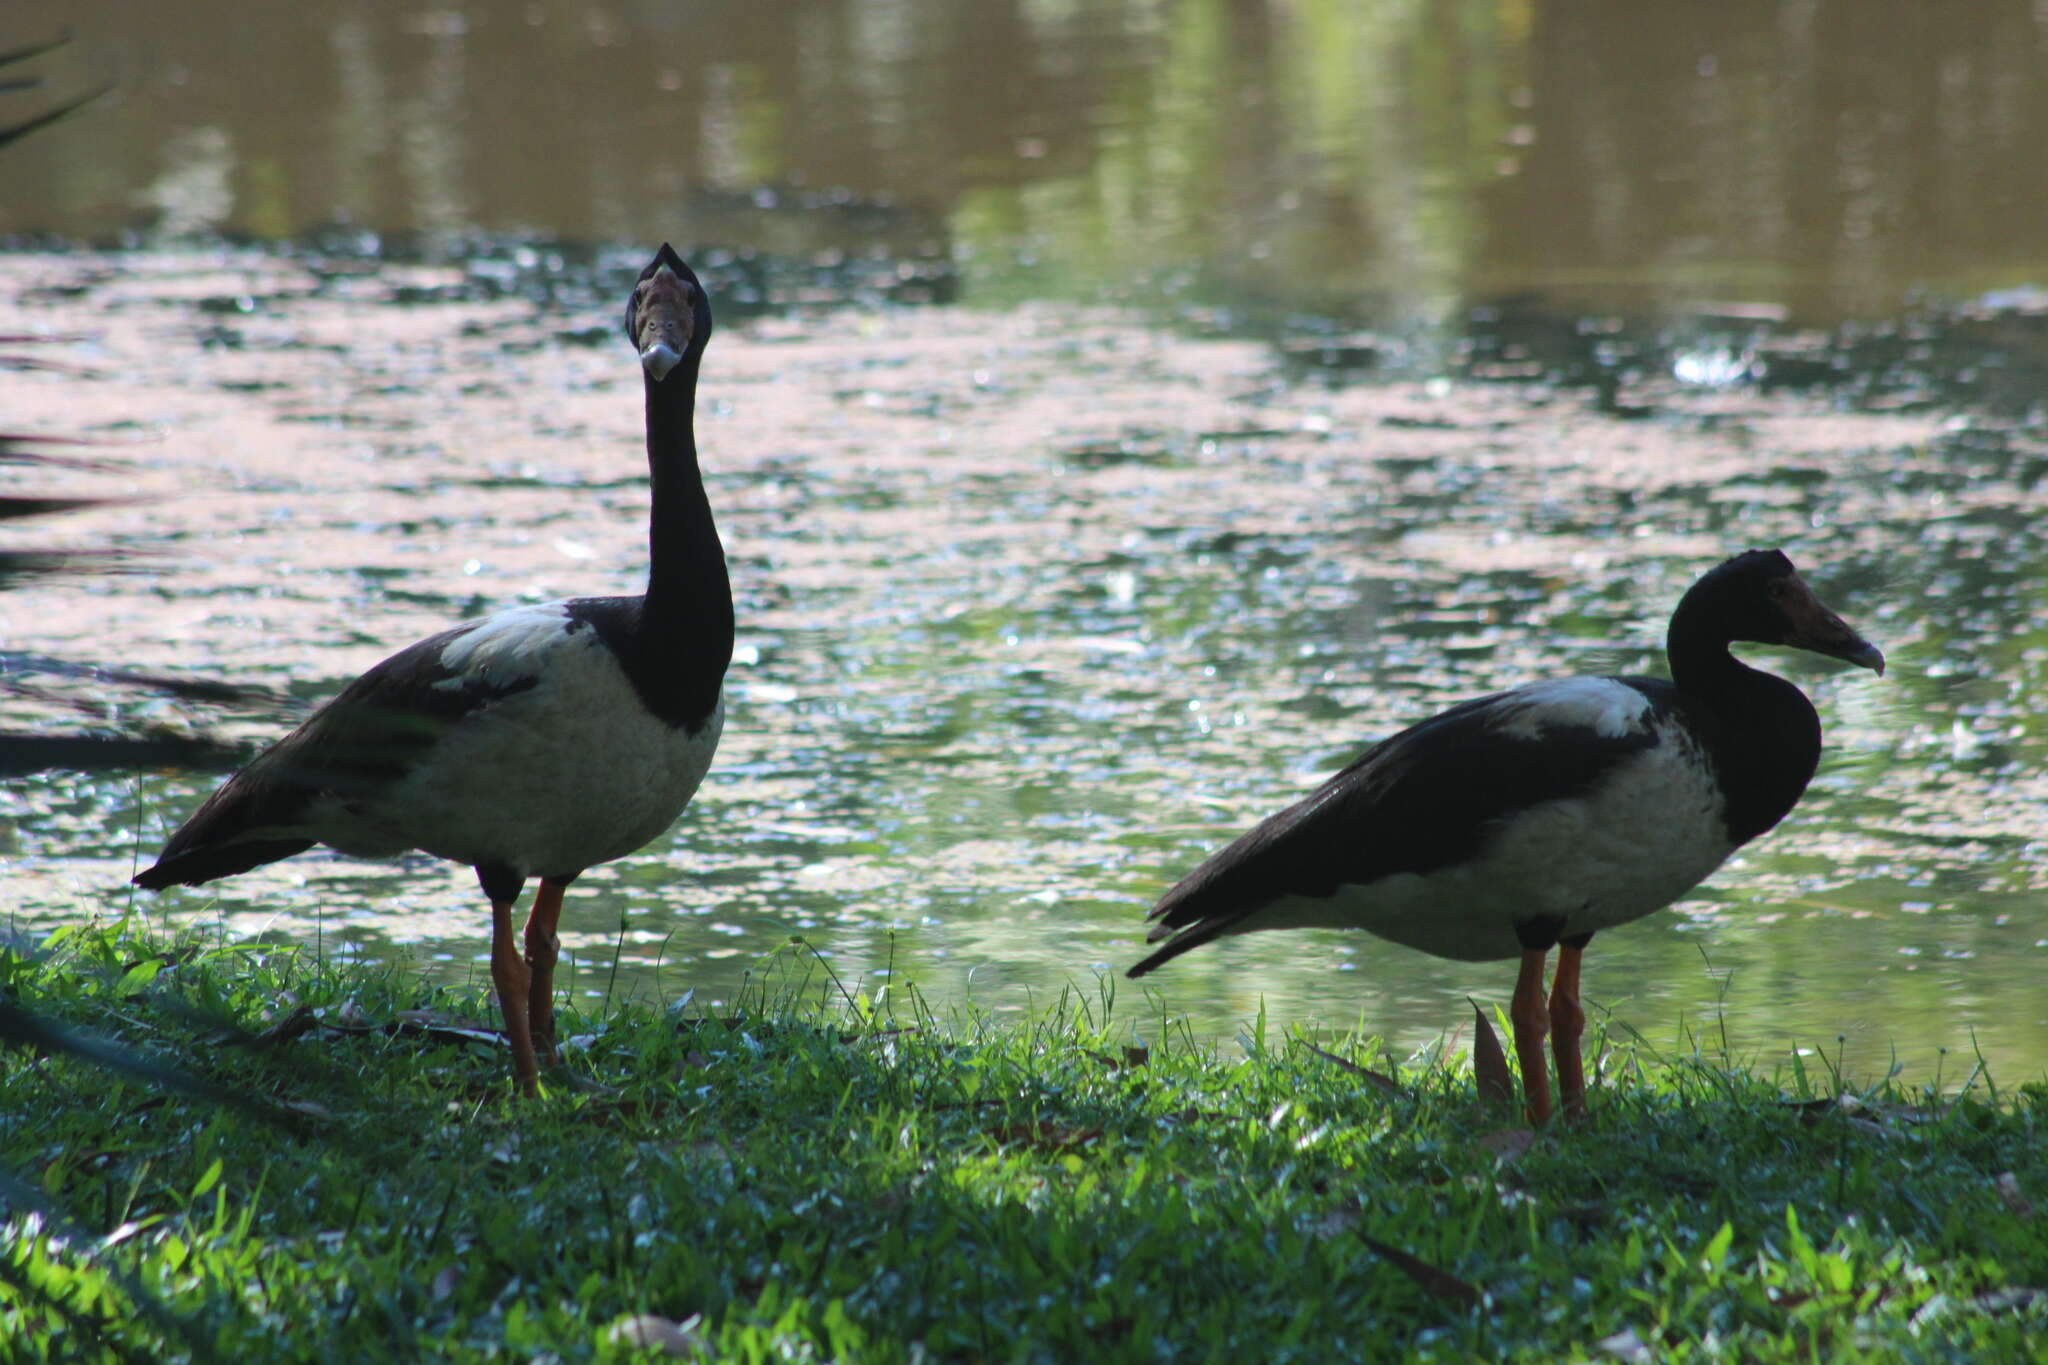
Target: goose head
(1759, 597)
(667, 318)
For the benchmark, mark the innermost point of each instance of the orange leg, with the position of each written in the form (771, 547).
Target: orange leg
(542, 947)
(1569, 1022)
(514, 982)
(1532, 1022)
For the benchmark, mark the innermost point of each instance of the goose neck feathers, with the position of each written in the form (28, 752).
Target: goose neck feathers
(677, 649)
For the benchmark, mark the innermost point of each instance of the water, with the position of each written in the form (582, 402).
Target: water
(1071, 530)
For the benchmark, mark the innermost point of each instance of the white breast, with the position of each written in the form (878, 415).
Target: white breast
(563, 775)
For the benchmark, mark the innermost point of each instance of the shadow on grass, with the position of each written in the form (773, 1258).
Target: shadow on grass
(823, 1174)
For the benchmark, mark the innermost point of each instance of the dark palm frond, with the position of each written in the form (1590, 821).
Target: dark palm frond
(43, 120)
(16, 662)
(12, 506)
(20, 447)
(21, 563)
(11, 361)
(21, 755)
(16, 131)
(21, 1027)
(22, 54)
(34, 563)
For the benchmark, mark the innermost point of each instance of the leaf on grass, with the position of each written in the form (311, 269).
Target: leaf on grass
(298, 1021)
(2009, 1190)
(445, 1283)
(129, 1229)
(1440, 1285)
(136, 979)
(447, 1028)
(1490, 1064)
(1378, 1080)
(1137, 1055)
(349, 1020)
(1509, 1143)
(2011, 1300)
(1626, 1345)
(311, 1109)
(652, 1332)
(1042, 1136)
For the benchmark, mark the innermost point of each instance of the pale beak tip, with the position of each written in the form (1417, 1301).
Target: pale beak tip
(659, 359)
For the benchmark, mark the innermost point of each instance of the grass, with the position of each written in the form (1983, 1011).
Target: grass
(816, 1178)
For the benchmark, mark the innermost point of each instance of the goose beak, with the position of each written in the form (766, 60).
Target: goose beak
(659, 359)
(1868, 657)
(664, 318)
(1816, 628)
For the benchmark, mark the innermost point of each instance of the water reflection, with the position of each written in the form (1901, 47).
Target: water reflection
(1040, 604)
(1037, 606)
(1387, 164)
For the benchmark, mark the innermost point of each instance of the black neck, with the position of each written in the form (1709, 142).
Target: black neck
(1760, 731)
(685, 637)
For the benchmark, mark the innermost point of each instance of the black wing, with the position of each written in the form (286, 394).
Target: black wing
(1418, 801)
(369, 736)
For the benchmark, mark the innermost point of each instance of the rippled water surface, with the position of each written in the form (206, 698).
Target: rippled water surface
(1037, 606)
(1122, 412)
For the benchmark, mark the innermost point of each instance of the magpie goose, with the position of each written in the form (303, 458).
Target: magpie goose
(1538, 816)
(535, 742)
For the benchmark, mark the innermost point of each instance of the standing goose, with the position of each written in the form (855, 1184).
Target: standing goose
(1541, 815)
(535, 742)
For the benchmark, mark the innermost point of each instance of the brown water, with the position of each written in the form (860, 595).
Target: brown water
(1830, 157)
(1166, 481)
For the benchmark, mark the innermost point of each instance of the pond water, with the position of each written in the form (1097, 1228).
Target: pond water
(1120, 414)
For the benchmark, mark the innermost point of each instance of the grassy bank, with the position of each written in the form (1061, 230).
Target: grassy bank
(804, 1180)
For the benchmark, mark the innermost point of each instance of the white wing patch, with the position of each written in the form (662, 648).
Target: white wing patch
(505, 647)
(1608, 708)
